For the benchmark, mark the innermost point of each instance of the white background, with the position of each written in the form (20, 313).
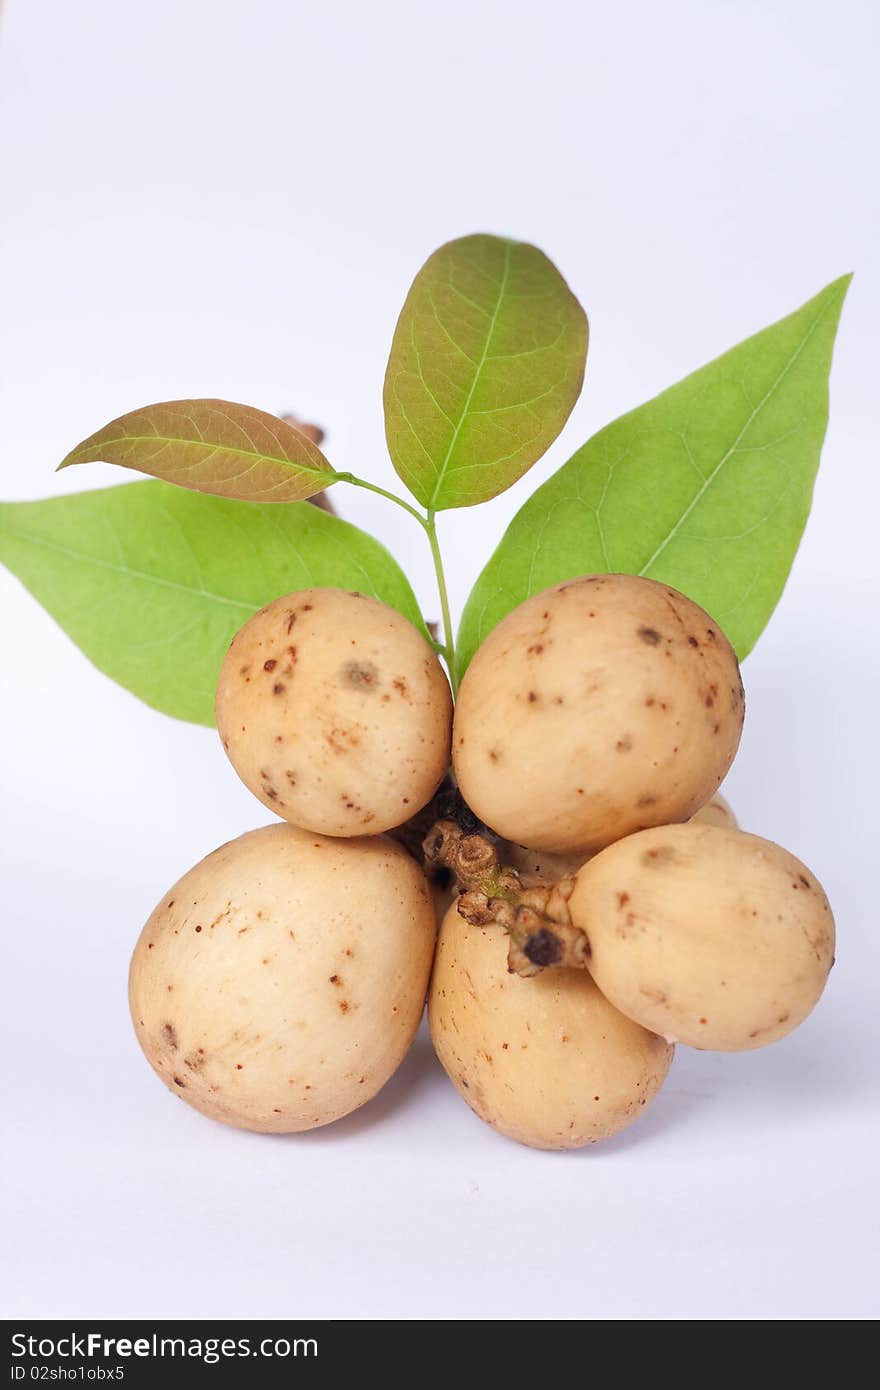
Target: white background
(222, 199)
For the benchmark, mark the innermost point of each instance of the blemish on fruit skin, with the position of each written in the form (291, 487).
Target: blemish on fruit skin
(494, 755)
(663, 854)
(344, 1006)
(278, 688)
(647, 800)
(532, 697)
(169, 1036)
(622, 899)
(650, 635)
(270, 664)
(179, 1082)
(335, 980)
(624, 744)
(360, 675)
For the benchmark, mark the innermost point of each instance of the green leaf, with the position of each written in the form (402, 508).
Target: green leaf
(153, 583)
(218, 447)
(486, 363)
(707, 487)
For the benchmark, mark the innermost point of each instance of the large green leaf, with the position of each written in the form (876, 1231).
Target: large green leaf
(707, 487)
(212, 446)
(486, 363)
(153, 582)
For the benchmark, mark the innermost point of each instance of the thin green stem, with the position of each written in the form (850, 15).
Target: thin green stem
(449, 650)
(382, 492)
(428, 523)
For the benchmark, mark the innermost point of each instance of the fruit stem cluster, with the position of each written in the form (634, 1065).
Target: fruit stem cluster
(536, 918)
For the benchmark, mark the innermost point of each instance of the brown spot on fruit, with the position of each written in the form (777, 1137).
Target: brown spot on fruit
(692, 641)
(647, 800)
(169, 1036)
(278, 688)
(650, 635)
(662, 854)
(622, 899)
(536, 649)
(624, 744)
(335, 980)
(532, 696)
(360, 675)
(270, 664)
(198, 928)
(179, 1082)
(494, 755)
(344, 1006)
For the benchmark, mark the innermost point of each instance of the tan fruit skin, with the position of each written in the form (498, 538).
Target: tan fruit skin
(279, 983)
(542, 866)
(595, 709)
(539, 866)
(545, 1061)
(335, 712)
(718, 812)
(712, 937)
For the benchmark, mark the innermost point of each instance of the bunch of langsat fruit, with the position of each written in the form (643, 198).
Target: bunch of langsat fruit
(550, 798)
